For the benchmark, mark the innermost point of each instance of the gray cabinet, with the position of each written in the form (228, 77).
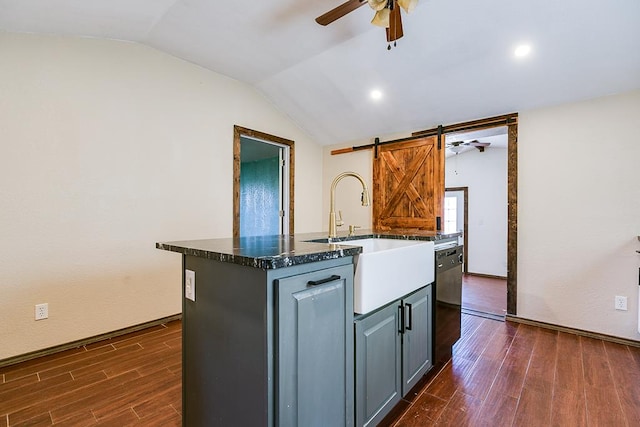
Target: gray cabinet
(266, 347)
(416, 346)
(393, 351)
(315, 349)
(378, 365)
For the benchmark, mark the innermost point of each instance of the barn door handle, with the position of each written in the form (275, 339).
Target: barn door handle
(331, 278)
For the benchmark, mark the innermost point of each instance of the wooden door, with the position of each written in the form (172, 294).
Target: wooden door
(408, 190)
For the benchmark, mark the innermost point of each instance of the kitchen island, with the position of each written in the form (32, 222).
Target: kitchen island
(268, 329)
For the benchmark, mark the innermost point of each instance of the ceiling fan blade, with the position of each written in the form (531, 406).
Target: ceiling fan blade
(408, 5)
(339, 12)
(394, 32)
(381, 18)
(476, 143)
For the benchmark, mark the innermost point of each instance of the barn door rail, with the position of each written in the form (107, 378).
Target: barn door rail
(504, 120)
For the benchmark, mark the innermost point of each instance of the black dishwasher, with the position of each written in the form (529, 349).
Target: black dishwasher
(448, 300)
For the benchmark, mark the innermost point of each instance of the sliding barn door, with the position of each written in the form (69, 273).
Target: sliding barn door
(408, 189)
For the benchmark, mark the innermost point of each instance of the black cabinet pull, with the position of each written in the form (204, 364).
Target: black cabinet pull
(401, 319)
(331, 278)
(410, 322)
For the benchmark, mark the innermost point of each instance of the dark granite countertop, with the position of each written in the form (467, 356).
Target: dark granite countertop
(269, 252)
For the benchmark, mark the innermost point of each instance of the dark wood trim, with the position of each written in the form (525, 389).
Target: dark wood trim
(574, 331)
(490, 122)
(86, 341)
(238, 132)
(512, 219)
(511, 121)
(486, 123)
(376, 144)
(465, 233)
(488, 276)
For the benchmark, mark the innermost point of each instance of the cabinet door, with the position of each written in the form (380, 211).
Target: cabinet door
(314, 359)
(378, 363)
(416, 347)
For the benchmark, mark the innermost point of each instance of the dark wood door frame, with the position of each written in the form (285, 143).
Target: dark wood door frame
(239, 132)
(511, 122)
(465, 230)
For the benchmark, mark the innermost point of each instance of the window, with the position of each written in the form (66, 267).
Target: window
(450, 214)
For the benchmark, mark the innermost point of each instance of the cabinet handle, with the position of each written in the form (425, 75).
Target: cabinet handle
(410, 322)
(401, 319)
(331, 278)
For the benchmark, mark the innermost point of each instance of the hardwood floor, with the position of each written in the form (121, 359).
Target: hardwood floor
(134, 379)
(502, 374)
(506, 374)
(484, 294)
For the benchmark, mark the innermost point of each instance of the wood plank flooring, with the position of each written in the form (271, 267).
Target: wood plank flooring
(502, 374)
(484, 294)
(507, 374)
(133, 379)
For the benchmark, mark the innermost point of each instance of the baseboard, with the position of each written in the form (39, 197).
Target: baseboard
(86, 341)
(574, 331)
(488, 276)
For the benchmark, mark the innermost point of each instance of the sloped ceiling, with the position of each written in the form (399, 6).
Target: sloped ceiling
(455, 62)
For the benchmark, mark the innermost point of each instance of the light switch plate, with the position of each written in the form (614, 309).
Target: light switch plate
(190, 285)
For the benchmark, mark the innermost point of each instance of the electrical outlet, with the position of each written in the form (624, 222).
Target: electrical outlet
(42, 311)
(190, 285)
(621, 303)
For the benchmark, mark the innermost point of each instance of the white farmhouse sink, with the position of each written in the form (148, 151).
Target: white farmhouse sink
(388, 269)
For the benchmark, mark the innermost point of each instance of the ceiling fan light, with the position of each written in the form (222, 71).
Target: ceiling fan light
(377, 4)
(408, 5)
(381, 18)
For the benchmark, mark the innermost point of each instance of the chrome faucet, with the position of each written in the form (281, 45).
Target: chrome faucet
(333, 231)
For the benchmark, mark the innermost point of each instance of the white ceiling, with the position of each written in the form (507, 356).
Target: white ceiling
(496, 136)
(455, 62)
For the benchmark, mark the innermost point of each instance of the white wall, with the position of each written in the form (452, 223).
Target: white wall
(349, 189)
(485, 173)
(106, 148)
(578, 212)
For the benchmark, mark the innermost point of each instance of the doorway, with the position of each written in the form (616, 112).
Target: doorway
(480, 170)
(263, 184)
(456, 217)
(510, 121)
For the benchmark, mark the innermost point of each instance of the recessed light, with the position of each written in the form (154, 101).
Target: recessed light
(375, 94)
(522, 50)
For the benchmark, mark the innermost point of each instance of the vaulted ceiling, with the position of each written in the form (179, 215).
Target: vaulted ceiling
(454, 63)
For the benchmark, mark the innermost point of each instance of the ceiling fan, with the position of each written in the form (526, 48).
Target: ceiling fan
(456, 146)
(387, 15)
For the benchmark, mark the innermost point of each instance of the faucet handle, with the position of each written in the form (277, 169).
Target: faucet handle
(352, 229)
(339, 221)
